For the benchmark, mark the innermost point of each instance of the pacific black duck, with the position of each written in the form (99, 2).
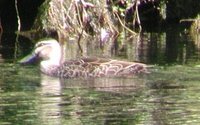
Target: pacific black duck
(50, 55)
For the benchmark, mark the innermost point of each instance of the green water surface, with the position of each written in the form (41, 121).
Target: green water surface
(168, 95)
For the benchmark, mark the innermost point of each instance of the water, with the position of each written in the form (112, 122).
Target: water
(169, 95)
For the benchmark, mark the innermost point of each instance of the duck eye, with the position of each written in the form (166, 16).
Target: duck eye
(39, 45)
(42, 44)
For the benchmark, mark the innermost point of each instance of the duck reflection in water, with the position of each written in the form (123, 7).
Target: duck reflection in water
(58, 96)
(50, 53)
(50, 100)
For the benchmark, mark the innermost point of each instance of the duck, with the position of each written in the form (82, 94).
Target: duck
(49, 54)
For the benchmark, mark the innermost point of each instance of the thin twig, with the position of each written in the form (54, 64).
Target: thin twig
(124, 25)
(137, 15)
(79, 14)
(18, 17)
(18, 30)
(187, 20)
(79, 40)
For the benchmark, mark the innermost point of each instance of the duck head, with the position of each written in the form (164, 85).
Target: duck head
(47, 51)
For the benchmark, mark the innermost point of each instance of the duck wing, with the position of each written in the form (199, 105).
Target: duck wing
(108, 67)
(99, 67)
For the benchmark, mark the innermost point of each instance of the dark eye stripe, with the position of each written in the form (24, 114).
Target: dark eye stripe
(40, 44)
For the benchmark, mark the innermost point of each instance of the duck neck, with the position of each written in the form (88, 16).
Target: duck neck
(53, 62)
(49, 67)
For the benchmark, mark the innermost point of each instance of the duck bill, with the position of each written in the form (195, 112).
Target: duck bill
(29, 59)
